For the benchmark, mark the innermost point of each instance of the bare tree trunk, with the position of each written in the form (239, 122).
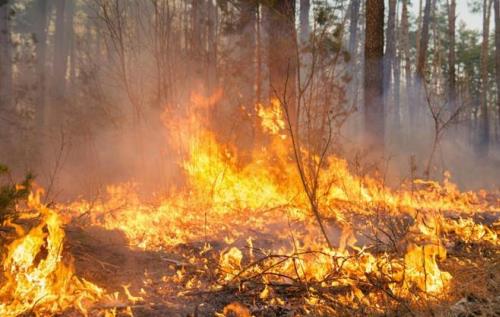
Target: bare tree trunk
(248, 19)
(397, 75)
(353, 26)
(424, 42)
(405, 45)
(258, 53)
(40, 50)
(452, 81)
(212, 46)
(497, 56)
(195, 35)
(373, 83)
(419, 27)
(60, 52)
(484, 131)
(282, 62)
(438, 56)
(5, 57)
(353, 50)
(305, 7)
(70, 45)
(305, 55)
(390, 56)
(405, 53)
(390, 48)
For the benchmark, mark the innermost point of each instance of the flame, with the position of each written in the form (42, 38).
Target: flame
(422, 270)
(240, 202)
(36, 278)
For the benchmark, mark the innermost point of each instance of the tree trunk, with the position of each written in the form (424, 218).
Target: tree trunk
(373, 81)
(354, 65)
(247, 23)
(258, 56)
(305, 7)
(484, 131)
(405, 52)
(424, 42)
(305, 55)
(452, 93)
(60, 55)
(419, 27)
(497, 55)
(282, 59)
(70, 43)
(5, 57)
(353, 26)
(397, 74)
(390, 48)
(40, 50)
(212, 47)
(405, 45)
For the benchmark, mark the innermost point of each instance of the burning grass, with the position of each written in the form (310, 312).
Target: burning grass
(240, 238)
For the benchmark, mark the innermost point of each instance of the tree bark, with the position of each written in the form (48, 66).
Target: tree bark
(419, 27)
(452, 93)
(397, 73)
(390, 48)
(247, 24)
(5, 57)
(353, 26)
(282, 59)
(484, 131)
(40, 51)
(212, 47)
(405, 44)
(497, 55)
(305, 7)
(60, 52)
(258, 56)
(424, 42)
(373, 78)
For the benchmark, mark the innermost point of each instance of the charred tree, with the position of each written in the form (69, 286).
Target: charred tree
(374, 70)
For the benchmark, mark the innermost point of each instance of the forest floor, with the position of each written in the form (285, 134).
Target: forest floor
(105, 258)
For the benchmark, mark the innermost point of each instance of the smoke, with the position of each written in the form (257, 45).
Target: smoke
(108, 128)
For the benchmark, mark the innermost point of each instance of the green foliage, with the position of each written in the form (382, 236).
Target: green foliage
(11, 193)
(324, 13)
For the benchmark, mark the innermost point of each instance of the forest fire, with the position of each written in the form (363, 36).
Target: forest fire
(258, 236)
(193, 158)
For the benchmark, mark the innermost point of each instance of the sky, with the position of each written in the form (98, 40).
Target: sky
(464, 14)
(473, 20)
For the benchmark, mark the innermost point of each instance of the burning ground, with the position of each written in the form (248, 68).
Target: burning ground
(242, 237)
